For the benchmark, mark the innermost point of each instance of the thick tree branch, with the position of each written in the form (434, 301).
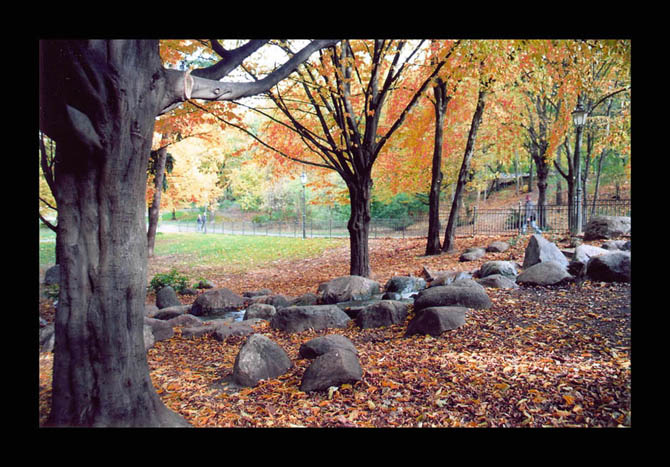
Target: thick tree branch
(182, 86)
(230, 59)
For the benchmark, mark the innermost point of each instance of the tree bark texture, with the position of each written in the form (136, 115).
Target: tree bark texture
(98, 101)
(359, 226)
(108, 108)
(449, 233)
(433, 246)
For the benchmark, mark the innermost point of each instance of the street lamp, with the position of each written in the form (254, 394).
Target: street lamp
(303, 179)
(579, 119)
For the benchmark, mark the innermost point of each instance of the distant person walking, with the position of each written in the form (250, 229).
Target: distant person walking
(199, 221)
(529, 216)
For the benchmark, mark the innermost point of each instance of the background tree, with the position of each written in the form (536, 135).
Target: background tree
(337, 111)
(98, 101)
(491, 61)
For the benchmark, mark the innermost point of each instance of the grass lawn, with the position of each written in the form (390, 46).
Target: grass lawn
(235, 252)
(232, 253)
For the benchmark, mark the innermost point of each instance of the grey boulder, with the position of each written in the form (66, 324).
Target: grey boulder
(167, 297)
(472, 254)
(540, 250)
(612, 267)
(383, 313)
(258, 359)
(331, 369)
(216, 301)
(261, 311)
(498, 281)
(324, 344)
(436, 320)
(348, 288)
(607, 227)
(301, 318)
(504, 268)
(545, 273)
(464, 292)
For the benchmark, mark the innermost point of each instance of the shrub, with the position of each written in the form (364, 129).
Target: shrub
(174, 279)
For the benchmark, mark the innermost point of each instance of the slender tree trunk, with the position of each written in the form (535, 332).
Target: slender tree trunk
(441, 101)
(449, 234)
(100, 371)
(542, 184)
(358, 226)
(154, 209)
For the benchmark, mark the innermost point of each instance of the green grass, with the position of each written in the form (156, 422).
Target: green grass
(234, 252)
(238, 251)
(47, 248)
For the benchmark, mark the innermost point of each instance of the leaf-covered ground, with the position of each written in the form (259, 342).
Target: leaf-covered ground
(551, 356)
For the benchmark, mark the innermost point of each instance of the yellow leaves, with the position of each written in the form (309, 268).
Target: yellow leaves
(569, 400)
(502, 386)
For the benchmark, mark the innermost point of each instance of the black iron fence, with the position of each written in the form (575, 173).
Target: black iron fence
(552, 218)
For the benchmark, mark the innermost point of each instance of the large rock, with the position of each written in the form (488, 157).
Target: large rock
(167, 297)
(258, 359)
(260, 311)
(148, 336)
(276, 300)
(234, 328)
(583, 253)
(540, 250)
(185, 320)
(436, 320)
(448, 277)
(161, 329)
(472, 254)
(607, 227)
(348, 288)
(48, 338)
(405, 285)
(498, 281)
(381, 314)
(504, 268)
(216, 301)
(171, 312)
(331, 369)
(612, 267)
(52, 275)
(463, 292)
(306, 299)
(324, 344)
(220, 329)
(301, 318)
(544, 273)
(613, 245)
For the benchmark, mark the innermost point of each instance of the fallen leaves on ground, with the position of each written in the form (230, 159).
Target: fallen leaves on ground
(541, 356)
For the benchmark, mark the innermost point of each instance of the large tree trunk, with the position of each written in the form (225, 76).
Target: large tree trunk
(100, 372)
(154, 209)
(359, 226)
(441, 101)
(449, 234)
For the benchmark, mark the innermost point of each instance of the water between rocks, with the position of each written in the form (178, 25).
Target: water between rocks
(351, 306)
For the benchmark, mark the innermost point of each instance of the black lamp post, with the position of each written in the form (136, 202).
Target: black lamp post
(579, 119)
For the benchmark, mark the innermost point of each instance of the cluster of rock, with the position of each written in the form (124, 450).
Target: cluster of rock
(440, 303)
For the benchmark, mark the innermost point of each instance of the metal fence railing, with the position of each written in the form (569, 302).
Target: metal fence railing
(503, 221)
(552, 218)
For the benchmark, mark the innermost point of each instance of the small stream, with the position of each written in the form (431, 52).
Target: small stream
(351, 308)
